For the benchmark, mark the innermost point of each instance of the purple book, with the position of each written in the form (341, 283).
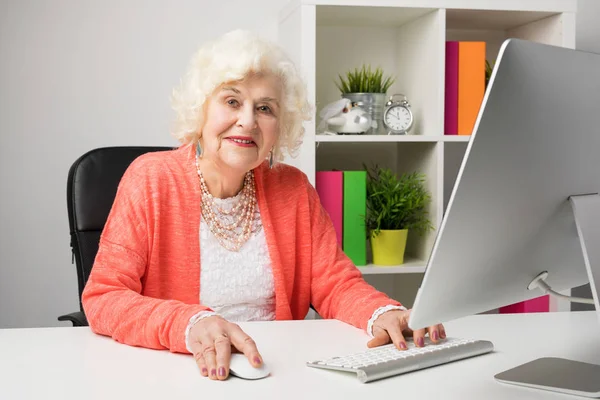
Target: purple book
(451, 89)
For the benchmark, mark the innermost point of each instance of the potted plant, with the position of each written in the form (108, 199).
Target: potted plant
(367, 88)
(395, 205)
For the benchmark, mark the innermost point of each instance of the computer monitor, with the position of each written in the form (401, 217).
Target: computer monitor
(525, 203)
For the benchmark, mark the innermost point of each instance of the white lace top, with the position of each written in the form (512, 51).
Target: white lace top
(239, 285)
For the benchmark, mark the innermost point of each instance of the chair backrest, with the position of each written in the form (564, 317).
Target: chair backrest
(91, 188)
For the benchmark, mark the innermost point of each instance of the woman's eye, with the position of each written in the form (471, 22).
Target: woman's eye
(265, 109)
(233, 102)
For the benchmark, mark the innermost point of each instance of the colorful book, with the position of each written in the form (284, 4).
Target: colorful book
(330, 187)
(451, 90)
(471, 84)
(539, 304)
(355, 208)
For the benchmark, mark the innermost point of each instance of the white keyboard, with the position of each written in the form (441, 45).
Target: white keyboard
(385, 361)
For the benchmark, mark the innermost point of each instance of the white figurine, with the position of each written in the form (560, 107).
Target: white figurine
(343, 117)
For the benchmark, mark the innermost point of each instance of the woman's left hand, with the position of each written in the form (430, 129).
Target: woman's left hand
(393, 326)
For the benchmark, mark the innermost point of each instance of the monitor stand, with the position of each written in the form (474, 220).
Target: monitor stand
(559, 374)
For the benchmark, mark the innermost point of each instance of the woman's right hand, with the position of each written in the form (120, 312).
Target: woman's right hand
(212, 339)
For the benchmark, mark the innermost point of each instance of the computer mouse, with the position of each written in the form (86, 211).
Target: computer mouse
(240, 366)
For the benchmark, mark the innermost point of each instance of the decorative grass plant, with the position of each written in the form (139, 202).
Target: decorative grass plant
(364, 80)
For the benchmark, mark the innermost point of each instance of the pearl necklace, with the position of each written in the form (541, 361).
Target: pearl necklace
(232, 227)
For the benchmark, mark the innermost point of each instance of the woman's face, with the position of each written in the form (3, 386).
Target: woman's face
(242, 122)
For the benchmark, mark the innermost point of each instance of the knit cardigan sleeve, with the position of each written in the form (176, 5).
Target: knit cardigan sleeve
(112, 299)
(338, 289)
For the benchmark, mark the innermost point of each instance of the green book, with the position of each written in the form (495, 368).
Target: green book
(355, 208)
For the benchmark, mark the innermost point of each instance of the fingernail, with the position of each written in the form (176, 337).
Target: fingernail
(420, 342)
(403, 345)
(213, 372)
(443, 335)
(222, 371)
(204, 371)
(435, 335)
(257, 360)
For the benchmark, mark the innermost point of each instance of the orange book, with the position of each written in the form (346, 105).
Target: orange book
(471, 84)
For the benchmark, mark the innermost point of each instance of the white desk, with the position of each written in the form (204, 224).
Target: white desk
(74, 363)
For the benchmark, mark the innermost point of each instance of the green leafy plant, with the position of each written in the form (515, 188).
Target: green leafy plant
(364, 80)
(488, 72)
(396, 202)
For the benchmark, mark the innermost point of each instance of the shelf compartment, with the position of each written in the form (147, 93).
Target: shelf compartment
(494, 27)
(407, 43)
(400, 158)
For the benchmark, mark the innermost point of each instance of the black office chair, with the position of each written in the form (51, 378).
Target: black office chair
(91, 188)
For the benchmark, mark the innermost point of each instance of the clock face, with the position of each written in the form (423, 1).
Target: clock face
(397, 118)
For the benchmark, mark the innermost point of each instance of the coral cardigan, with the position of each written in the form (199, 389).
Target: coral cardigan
(145, 283)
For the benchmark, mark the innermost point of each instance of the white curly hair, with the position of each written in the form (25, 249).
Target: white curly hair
(230, 58)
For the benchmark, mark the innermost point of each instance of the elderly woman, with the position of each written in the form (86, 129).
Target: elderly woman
(218, 231)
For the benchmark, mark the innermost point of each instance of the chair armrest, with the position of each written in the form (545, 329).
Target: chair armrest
(77, 318)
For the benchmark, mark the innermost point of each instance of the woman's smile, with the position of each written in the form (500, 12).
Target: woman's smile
(241, 141)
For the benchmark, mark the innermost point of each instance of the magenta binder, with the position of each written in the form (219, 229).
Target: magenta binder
(330, 187)
(451, 90)
(539, 304)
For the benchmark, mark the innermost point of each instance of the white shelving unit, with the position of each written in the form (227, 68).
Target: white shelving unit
(409, 267)
(388, 139)
(407, 39)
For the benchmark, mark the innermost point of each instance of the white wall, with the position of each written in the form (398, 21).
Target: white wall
(588, 25)
(75, 75)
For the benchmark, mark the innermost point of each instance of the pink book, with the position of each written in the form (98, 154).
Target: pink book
(451, 90)
(330, 187)
(539, 304)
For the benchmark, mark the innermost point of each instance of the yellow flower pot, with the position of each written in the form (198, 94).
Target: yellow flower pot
(388, 247)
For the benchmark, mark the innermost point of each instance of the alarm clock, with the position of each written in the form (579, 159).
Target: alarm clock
(397, 116)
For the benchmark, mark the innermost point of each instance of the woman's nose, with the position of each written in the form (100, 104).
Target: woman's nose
(247, 118)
